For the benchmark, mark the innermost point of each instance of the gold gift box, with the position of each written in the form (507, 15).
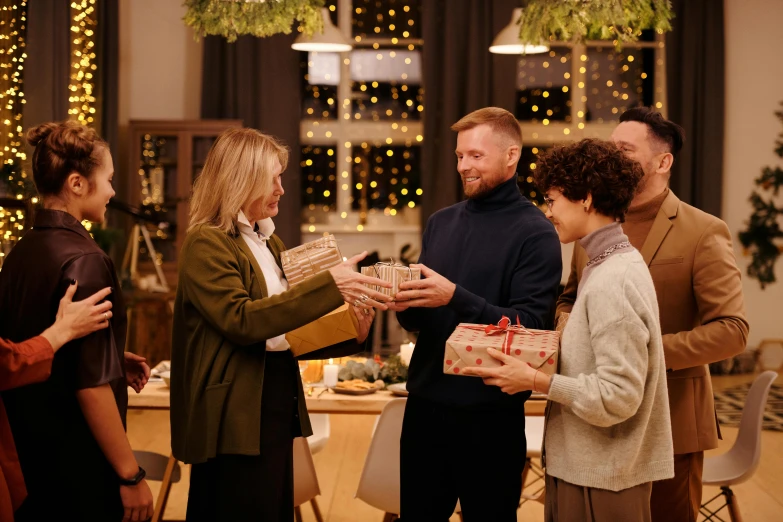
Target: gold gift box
(467, 346)
(309, 259)
(392, 273)
(335, 327)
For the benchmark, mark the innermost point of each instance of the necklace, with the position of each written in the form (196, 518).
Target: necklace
(608, 252)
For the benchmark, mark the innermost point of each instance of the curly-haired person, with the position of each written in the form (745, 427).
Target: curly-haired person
(608, 433)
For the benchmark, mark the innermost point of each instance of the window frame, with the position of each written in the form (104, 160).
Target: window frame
(344, 133)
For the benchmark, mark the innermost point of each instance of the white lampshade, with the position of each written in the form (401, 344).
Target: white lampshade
(331, 40)
(507, 41)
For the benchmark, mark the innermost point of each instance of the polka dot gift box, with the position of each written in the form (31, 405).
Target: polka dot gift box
(467, 346)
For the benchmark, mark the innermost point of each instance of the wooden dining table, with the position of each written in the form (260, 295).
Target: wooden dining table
(156, 396)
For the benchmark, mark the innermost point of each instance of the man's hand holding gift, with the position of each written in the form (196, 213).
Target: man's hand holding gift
(432, 291)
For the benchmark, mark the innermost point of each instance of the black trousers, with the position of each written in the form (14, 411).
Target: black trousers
(257, 488)
(449, 453)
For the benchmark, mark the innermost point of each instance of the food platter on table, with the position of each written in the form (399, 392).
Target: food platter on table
(357, 387)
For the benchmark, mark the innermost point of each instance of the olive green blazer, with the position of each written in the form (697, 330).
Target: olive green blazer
(222, 319)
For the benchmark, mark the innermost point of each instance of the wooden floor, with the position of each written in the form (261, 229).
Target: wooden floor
(339, 467)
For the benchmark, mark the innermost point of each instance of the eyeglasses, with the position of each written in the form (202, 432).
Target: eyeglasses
(549, 202)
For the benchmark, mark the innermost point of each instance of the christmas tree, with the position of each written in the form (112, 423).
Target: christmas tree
(762, 237)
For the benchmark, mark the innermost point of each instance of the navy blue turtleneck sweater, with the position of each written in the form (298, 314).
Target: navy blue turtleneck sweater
(504, 256)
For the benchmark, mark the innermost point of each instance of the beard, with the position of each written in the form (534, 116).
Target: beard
(476, 191)
(648, 170)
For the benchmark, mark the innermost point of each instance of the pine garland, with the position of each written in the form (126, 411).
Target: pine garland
(543, 21)
(762, 237)
(231, 18)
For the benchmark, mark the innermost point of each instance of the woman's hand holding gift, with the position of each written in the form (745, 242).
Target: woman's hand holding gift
(513, 376)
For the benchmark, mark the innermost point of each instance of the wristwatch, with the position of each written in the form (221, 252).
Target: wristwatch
(135, 480)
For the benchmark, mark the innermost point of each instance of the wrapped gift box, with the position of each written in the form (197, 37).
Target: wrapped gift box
(394, 273)
(309, 259)
(467, 346)
(335, 327)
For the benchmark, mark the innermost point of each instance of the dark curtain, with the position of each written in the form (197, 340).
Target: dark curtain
(695, 90)
(48, 64)
(258, 81)
(108, 72)
(460, 76)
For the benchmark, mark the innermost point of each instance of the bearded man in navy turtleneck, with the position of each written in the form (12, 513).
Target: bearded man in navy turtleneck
(492, 255)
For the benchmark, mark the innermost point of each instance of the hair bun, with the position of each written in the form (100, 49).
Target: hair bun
(36, 135)
(68, 138)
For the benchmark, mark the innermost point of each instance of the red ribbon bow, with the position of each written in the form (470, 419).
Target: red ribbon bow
(504, 326)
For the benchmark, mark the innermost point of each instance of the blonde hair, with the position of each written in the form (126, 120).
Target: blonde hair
(500, 120)
(238, 169)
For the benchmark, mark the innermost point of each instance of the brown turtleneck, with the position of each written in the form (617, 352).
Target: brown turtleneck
(639, 219)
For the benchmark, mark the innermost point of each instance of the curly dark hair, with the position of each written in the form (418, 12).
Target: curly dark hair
(592, 167)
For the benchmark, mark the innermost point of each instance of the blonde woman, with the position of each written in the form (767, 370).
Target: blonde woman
(237, 400)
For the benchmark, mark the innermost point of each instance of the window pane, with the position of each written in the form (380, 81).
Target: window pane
(320, 77)
(386, 178)
(544, 86)
(319, 178)
(158, 177)
(386, 84)
(617, 81)
(527, 164)
(386, 19)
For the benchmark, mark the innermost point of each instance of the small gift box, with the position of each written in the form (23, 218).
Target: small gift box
(467, 346)
(335, 327)
(394, 273)
(309, 259)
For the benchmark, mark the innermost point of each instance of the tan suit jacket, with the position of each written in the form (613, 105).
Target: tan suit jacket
(702, 311)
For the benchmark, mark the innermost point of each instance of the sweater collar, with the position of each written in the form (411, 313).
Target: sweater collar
(646, 211)
(501, 196)
(596, 242)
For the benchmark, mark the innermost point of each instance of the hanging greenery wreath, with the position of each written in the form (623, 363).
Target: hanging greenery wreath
(577, 20)
(231, 18)
(762, 238)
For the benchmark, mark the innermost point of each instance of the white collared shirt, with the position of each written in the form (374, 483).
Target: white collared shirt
(256, 238)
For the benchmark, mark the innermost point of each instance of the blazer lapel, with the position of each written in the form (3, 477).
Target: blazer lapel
(660, 227)
(239, 240)
(274, 247)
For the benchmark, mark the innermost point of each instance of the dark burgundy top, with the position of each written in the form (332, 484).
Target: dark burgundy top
(65, 471)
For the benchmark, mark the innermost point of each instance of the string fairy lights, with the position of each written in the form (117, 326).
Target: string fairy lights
(82, 86)
(13, 32)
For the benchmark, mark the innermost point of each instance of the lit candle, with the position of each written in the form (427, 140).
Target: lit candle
(330, 373)
(406, 352)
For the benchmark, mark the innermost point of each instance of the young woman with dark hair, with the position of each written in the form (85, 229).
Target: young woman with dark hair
(70, 429)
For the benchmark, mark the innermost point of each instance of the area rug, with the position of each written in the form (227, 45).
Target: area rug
(729, 404)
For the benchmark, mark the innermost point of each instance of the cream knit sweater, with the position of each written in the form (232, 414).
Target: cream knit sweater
(609, 424)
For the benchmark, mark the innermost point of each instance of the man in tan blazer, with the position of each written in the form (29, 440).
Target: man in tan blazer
(699, 291)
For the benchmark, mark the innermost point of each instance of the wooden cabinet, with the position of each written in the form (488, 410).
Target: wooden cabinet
(149, 324)
(166, 157)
